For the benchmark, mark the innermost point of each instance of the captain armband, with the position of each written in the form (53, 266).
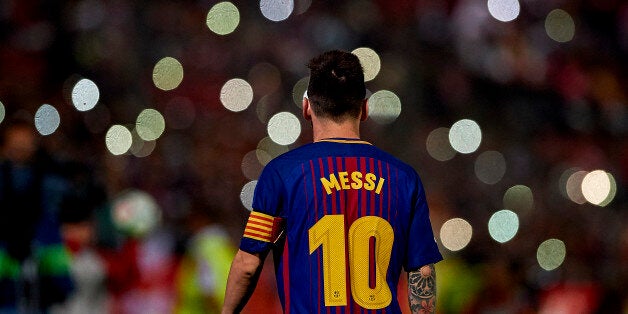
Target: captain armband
(263, 227)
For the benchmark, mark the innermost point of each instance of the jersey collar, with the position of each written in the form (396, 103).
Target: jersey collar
(344, 140)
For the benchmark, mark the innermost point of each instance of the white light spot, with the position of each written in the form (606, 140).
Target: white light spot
(384, 106)
(118, 139)
(455, 234)
(465, 136)
(246, 195)
(47, 119)
(276, 10)
(370, 61)
(596, 186)
(284, 128)
(503, 225)
(236, 94)
(504, 10)
(85, 95)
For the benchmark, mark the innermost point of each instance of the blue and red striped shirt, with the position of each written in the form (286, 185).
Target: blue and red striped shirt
(342, 218)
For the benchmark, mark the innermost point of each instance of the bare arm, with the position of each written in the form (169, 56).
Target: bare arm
(422, 289)
(245, 271)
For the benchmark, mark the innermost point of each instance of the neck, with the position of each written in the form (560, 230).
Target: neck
(325, 128)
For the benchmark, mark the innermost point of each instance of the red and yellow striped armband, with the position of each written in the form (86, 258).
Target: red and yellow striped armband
(263, 227)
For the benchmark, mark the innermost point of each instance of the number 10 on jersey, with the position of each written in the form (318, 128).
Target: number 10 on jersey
(329, 233)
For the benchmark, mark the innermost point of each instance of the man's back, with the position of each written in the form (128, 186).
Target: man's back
(351, 215)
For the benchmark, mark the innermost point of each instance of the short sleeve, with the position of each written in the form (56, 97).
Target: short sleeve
(265, 222)
(421, 247)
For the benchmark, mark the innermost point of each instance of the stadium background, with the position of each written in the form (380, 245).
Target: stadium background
(536, 90)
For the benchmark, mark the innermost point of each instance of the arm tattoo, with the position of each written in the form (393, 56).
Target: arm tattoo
(422, 289)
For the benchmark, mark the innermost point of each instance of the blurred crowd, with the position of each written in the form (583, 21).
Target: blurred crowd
(82, 230)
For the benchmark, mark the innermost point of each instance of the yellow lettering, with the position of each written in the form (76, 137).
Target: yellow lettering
(369, 185)
(331, 183)
(356, 177)
(380, 184)
(344, 180)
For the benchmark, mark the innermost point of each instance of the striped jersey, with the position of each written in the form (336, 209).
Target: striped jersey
(342, 218)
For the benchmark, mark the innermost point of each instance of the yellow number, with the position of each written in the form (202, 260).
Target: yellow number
(329, 233)
(359, 234)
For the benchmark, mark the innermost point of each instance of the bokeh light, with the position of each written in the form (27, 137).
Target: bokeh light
(370, 61)
(167, 73)
(284, 128)
(135, 213)
(223, 18)
(246, 194)
(562, 180)
(504, 10)
(47, 119)
(251, 166)
(236, 95)
(276, 10)
(2, 112)
(267, 149)
(118, 139)
(596, 186)
(612, 192)
(144, 148)
(573, 187)
(551, 254)
(85, 95)
(384, 106)
(139, 147)
(519, 198)
(437, 144)
(503, 225)
(150, 124)
(465, 136)
(560, 26)
(298, 91)
(490, 167)
(455, 234)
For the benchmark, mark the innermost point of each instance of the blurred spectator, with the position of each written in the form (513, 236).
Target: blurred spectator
(34, 263)
(202, 273)
(88, 267)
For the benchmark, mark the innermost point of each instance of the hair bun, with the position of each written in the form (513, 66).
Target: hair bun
(340, 77)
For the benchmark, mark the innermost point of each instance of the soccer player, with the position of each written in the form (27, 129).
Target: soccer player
(341, 216)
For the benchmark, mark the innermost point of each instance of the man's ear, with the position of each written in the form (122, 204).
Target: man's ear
(365, 111)
(307, 109)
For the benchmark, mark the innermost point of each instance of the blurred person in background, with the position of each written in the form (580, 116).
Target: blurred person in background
(34, 263)
(203, 270)
(337, 190)
(88, 268)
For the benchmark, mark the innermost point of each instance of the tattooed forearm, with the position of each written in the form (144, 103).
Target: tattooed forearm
(422, 289)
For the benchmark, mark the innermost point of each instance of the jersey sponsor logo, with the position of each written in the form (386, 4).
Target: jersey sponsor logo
(355, 180)
(263, 227)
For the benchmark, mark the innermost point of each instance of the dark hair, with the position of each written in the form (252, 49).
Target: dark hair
(336, 88)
